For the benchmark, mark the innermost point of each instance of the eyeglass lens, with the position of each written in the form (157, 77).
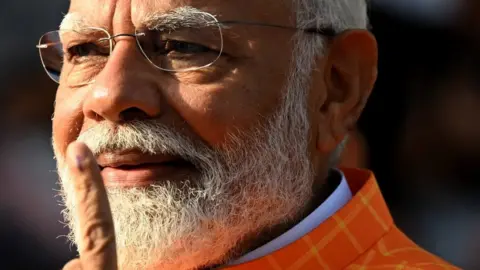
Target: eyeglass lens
(77, 57)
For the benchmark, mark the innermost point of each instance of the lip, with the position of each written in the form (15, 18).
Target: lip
(136, 169)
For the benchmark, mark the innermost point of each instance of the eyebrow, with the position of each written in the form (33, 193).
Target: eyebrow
(74, 21)
(182, 17)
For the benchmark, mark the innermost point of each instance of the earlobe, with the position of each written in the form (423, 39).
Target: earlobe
(329, 134)
(325, 142)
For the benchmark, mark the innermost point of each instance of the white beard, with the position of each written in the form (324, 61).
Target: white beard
(254, 182)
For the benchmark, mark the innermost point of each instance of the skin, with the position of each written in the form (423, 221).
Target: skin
(247, 89)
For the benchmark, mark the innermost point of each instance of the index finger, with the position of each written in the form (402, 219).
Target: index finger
(96, 235)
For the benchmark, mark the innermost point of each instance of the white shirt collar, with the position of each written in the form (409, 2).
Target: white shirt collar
(339, 198)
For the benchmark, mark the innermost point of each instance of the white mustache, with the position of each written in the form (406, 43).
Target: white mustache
(148, 136)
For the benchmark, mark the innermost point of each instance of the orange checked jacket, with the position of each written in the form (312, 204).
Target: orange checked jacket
(360, 236)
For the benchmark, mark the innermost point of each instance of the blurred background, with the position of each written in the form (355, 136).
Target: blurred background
(420, 132)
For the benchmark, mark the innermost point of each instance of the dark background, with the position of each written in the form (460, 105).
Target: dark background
(420, 132)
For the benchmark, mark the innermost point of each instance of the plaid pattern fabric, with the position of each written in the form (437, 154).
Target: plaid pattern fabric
(360, 236)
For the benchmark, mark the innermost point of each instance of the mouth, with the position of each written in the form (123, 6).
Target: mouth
(173, 163)
(136, 169)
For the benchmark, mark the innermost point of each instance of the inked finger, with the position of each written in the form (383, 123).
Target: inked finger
(96, 232)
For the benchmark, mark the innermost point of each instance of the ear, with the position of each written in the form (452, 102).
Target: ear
(350, 72)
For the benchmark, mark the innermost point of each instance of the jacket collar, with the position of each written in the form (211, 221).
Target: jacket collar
(342, 238)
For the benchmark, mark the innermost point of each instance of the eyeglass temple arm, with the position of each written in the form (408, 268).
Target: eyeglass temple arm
(327, 31)
(46, 45)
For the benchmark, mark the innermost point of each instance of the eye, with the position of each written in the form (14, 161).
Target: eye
(86, 49)
(181, 47)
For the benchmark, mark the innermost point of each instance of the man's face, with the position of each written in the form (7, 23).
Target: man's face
(246, 86)
(197, 163)
(187, 157)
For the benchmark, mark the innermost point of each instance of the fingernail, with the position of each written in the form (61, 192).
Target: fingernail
(80, 161)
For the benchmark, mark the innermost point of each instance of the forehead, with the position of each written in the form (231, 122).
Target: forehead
(111, 14)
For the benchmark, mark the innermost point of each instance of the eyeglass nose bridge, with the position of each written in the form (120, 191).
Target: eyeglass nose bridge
(113, 41)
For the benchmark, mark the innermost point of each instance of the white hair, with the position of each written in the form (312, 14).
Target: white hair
(339, 15)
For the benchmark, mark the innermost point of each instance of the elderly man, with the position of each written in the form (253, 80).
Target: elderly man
(213, 128)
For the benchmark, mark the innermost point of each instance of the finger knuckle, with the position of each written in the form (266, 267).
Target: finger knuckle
(98, 235)
(83, 184)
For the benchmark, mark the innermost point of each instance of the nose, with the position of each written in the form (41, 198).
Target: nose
(125, 89)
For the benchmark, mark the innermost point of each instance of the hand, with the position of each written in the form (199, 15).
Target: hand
(96, 235)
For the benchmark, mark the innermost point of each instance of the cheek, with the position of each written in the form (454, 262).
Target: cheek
(216, 111)
(67, 120)
(204, 111)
